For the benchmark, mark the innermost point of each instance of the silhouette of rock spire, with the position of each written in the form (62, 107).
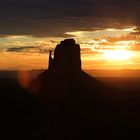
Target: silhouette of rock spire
(66, 57)
(51, 61)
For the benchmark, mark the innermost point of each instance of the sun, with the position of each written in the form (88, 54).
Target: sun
(118, 54)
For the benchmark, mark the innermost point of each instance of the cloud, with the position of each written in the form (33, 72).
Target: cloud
(19, 49)
(44, 50)
(121, 38)
(28, 49)
(136, 31)
(53, 18)
(136, 47)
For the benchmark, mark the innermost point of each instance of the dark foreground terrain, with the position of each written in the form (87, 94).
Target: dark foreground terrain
(23, 116)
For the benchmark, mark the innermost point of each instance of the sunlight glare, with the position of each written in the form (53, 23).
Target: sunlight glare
(118, 54)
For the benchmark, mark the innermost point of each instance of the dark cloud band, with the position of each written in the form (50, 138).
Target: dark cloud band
(52, 18)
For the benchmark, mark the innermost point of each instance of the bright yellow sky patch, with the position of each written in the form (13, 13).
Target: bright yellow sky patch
(118, 55)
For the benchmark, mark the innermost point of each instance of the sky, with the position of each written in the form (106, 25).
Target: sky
(108, 32)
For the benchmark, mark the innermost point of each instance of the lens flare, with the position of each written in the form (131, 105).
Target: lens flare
(24, 79)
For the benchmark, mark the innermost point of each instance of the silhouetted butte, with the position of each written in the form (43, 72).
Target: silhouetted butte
(74, 95)
(64, 83)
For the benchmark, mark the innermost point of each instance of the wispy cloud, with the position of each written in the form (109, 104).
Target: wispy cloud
(28, 49)
(20, 49)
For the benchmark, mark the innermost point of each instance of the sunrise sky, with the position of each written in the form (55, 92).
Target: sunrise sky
(108, 32)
